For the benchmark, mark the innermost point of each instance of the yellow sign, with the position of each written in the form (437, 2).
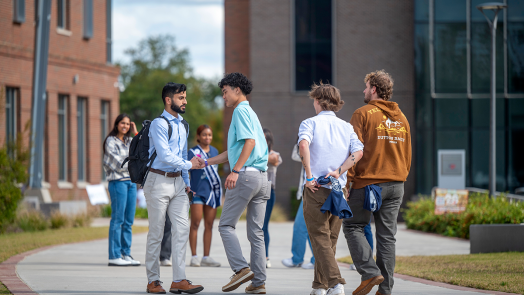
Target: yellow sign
(450, 200)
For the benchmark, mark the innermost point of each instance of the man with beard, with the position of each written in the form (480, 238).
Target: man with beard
(166, 189)
(385, 133)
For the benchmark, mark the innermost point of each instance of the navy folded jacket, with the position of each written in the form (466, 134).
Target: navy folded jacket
(335, 203)
(373, 199)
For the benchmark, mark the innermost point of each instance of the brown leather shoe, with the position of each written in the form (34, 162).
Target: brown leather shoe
(366, 286)
(185, 286)
(155, 287)
(244, 275)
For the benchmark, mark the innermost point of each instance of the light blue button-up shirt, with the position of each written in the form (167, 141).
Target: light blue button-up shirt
(171, 154)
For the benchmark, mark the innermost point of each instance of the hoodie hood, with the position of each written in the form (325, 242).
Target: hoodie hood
(390, 108)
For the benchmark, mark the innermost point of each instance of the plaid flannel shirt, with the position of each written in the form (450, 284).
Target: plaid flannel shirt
(116, 152)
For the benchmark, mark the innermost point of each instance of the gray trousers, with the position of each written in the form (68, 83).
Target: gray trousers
(166, 195)
(252, 190)
(386, 228)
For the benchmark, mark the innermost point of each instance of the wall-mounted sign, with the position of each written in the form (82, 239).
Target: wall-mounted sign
(450, 200)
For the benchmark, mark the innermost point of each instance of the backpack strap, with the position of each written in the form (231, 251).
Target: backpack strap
(170, 129)
(186, 125)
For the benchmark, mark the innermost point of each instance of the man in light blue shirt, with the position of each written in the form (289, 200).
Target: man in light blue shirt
(247, 186)
(166, 189)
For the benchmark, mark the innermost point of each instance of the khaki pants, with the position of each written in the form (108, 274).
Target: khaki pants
(323, 229)
(166, 194)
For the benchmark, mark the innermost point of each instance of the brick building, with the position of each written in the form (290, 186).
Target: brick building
(285, 45)
(82, 93)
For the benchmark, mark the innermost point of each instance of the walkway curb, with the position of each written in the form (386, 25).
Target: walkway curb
(439, 284)
(9, 277)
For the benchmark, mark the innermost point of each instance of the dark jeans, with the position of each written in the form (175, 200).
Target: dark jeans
(165, 246)
(386, 228)
(269, 209)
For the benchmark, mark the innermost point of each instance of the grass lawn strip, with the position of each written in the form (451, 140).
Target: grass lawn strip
(17, 243)
(502, 272)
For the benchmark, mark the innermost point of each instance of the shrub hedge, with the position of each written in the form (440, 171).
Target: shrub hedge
(481, 209)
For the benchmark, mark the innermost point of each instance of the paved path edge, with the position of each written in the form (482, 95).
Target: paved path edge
(10, 278)
(439, 284)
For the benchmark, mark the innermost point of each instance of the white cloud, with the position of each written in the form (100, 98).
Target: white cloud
(197, 25)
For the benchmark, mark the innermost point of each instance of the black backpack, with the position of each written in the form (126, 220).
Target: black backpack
(139, 152)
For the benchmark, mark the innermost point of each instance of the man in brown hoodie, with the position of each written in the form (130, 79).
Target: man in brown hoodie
(384, 130)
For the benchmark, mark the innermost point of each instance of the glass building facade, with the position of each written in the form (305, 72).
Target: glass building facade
(452, 74)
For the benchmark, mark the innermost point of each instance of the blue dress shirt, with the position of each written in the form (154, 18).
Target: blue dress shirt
(172, 153)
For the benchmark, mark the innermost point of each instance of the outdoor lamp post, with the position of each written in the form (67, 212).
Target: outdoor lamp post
(496, 7)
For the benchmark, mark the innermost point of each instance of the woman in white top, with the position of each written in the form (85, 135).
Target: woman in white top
(274, 160)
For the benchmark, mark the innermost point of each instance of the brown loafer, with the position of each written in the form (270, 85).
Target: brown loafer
(155, 287)
(185, 286)
(366, 286)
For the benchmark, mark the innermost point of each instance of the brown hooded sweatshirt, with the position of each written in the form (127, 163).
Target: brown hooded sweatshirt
(385, 133)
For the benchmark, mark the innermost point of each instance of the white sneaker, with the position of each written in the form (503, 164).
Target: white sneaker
(337, 290)
(130, 259)
(308, 265)
(118, 262)
(165, 262)
(208, 261)
(195, 262)
(288, 262)
(268, 263)
(318, 291)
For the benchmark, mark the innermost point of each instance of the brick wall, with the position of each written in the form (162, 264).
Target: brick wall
(237, 47)
(68, 56)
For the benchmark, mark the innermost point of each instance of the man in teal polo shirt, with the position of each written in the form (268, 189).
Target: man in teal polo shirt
(247, 186)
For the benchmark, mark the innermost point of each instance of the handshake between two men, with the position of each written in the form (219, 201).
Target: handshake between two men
(198, 163)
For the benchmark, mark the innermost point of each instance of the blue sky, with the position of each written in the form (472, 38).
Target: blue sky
(197, 25)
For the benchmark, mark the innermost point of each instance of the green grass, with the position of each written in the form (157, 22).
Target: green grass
(3, 289)
(502, 272)
(16, 243)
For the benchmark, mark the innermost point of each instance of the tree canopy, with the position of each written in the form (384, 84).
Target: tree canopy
(155, 61)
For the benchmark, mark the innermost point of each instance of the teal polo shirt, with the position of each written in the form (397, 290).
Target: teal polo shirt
(245, 125)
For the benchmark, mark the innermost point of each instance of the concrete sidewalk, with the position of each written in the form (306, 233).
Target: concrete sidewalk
(82, 268)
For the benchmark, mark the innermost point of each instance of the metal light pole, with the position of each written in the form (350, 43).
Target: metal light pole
(43, 21)
(495, 7)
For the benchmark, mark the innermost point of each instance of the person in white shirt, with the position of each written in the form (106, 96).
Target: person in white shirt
(328, 146)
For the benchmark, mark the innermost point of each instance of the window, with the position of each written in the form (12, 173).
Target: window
(63, 14)
(11, 113)
(313, 43)
(104, 128)
(62, 137)
(19, 11)
(81, 137)
(88, 19)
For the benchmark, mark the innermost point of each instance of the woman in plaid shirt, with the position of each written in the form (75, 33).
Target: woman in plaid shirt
(121, 190)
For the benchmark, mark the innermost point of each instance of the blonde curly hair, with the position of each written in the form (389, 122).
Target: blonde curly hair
(383, 83)
(328, 96)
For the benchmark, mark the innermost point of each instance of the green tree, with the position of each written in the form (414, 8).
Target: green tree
(14, 157)
(154, 62)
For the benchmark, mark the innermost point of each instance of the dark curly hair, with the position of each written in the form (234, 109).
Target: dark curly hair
(237, 80)
(383, 83)
(171, 89)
